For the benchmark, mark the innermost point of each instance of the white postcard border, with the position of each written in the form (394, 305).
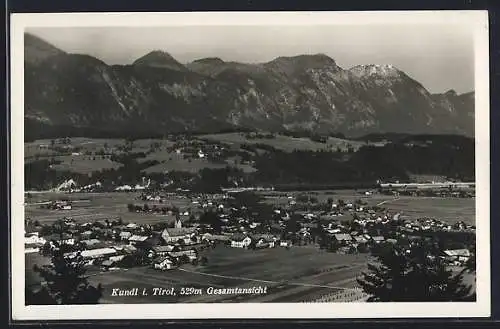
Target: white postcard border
(477, 20)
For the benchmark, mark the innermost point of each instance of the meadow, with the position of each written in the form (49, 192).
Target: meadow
(293, 275)
(449, 210)
(98, 206)
(285, 143)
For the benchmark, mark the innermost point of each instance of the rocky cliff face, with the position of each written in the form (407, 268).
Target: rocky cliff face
(158, 94)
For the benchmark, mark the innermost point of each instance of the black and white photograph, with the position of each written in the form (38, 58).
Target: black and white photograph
(255, 165)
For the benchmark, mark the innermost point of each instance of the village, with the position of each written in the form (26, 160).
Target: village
(240, 220)
(159, 208)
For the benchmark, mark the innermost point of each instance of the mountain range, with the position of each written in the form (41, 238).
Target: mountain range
(157, 94)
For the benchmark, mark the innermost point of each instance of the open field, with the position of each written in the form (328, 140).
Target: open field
(285, 143)
(97, 206)
(92, 145)
(448, 210)
(297, 274)
(177, 163)
(84, 164)
(174, 162)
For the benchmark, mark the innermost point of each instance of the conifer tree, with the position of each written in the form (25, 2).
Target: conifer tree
(417, 274)
(65, 280)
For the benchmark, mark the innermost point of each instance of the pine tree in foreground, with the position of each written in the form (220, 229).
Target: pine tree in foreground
(417, 275)
(66, 282)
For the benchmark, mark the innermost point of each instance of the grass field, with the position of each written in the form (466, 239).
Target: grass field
(285, 143)
(84, 164)
(297, 274)
(177, 163)
(97, 206)
(170, 161)
(449, 210)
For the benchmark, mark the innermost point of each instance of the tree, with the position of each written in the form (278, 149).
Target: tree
(184, 259)
(66, 282)
(293, 225)
(418, 276)
(211, 218)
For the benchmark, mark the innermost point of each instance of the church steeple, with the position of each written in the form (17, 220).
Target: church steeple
(178, 222)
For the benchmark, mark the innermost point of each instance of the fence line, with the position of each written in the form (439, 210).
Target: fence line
(354, 295)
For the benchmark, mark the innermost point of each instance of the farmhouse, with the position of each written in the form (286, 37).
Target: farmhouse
(342, 238)
(124, 235)
(214, 237)
(34, 239)
(135, 239)
(61, 238)
(378, 239)
(360, 239)
(285, 243)
(127, 248)
(240, 241)
(31, 250)
(457, 255)
(189, 253)
(90, 242)
(112, 261)
(162, 250)
(164, 263)
(93, 253)
(265, 241)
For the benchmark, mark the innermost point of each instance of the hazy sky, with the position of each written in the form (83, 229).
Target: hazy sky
(440, 57)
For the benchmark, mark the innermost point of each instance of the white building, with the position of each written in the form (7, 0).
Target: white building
(164, 264)
(241, 241)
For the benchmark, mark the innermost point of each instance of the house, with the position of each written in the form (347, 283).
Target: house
(135, 239)
(85, 234)
(164, 263)
(162, 250)
(108, 263)
(285, 243)
(214, 237)
(111, 261)
(188, 252)
(93, 253)
(127, 249)
(91, 242)
(378, 239)
(360, 239)
(61, 238)
(265, 241)
(342, 238)
(124, 188)
(240, 241)
(124, 235)
(172, 235)
(457, 255)
(34, 239)
(31, 250)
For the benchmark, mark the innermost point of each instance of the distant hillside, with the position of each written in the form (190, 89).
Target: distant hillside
(157, 94)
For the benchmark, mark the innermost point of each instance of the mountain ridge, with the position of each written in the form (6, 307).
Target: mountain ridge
(300, 92)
